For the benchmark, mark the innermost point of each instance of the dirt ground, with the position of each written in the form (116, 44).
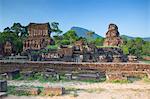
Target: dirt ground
(136, 90)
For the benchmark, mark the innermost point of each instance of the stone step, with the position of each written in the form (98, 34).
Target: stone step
(2, 95)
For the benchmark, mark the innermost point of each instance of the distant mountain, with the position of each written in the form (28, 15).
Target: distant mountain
(81, 32)
(129, 37)
(146, 38)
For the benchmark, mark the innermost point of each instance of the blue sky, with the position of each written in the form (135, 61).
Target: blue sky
(131, 16)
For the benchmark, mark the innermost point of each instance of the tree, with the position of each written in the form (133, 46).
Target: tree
(15, 35)
(7, 29)
(146, 48)
(17, 28)
(71, 36)
(55, 28)
(20, 30)
(24, 32)
(139, 42)
(90, 35)
(128, 47)
(98, 41)
(136, 47)
(57, 39)
(14, 39)
(65, 42)
(125, 49)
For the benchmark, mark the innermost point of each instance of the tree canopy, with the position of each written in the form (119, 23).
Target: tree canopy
(137, 47)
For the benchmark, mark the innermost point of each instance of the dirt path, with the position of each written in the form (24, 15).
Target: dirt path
(84, 85)
(137, 90)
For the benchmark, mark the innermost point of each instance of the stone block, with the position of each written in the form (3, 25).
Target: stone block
(88, 76)
(3, 95)
(69, 76)
(28, 74)
(3, 76)
(117, 58)
(3, 85)
(115, 76)
(56, 91)
(132, 58)
(34, 91)
(49, 74)
(13, 74)
(30, 91)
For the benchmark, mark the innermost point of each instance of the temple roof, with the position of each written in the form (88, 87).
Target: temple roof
(42, 26)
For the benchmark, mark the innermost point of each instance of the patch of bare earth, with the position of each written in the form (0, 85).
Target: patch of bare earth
(82, 90)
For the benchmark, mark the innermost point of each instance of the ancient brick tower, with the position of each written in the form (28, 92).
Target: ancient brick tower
(39, 36)
(8, 48)
(112, 36)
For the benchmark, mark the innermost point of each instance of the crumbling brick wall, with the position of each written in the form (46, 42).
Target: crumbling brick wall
(73, 66)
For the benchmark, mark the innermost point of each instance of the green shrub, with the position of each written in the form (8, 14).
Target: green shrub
(65, 42)
(52, 47)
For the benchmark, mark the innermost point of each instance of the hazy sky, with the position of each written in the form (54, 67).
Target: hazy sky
(131, 16)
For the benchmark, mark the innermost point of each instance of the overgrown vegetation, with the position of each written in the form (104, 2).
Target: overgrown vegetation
(41, 78)
(146, 79)
(11, 91)
(119, 81)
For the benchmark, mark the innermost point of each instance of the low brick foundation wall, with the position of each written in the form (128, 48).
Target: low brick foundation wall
(72, 66)
(146, 58)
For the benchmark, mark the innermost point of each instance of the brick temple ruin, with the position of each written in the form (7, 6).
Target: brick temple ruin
(6, 48)
(39, 36)
(112, 36)
(83, 52)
